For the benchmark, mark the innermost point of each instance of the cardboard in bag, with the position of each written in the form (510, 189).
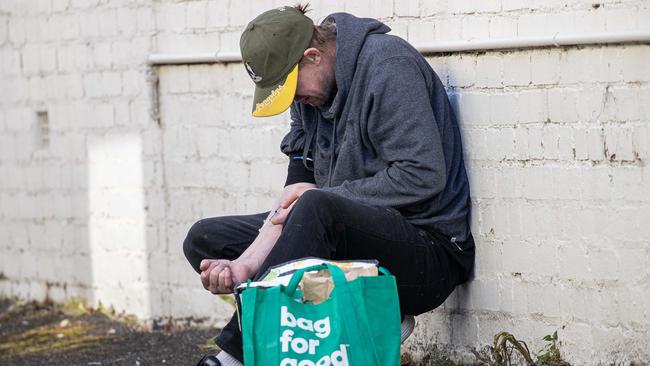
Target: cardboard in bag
(317, 286)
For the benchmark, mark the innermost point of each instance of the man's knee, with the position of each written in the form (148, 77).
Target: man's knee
(316, 199)
(314, 205)
(192, 245)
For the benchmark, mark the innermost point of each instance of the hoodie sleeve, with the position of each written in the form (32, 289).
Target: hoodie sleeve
(293, 145)
(403, 131)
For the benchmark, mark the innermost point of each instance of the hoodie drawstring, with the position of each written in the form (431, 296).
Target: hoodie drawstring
(332, 152)
(305, 150)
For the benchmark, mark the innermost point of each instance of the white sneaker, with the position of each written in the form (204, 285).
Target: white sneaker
(408, 324)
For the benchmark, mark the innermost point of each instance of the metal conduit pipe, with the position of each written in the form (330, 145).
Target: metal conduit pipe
(556, 40)
(193, 58)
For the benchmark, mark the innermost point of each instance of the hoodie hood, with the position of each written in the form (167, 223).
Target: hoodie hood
(351, 33)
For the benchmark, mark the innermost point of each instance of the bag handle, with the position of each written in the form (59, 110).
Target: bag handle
(384, 271)
(337, 275)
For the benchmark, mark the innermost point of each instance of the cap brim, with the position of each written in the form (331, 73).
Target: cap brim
(275, 99)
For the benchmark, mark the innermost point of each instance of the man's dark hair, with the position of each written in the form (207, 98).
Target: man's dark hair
(303, 8)
(323, 33)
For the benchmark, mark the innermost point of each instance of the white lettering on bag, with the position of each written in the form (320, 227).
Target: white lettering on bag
(321, 329)
(337, 358)
(286, 318)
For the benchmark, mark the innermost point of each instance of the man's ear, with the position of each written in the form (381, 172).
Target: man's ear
(313, 55)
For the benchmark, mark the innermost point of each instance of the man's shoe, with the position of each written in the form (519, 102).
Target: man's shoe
(209, 361)
(408, 324)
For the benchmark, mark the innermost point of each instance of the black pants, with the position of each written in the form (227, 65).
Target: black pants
(426, 265)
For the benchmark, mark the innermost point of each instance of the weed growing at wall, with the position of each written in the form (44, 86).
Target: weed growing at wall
(507, 350)
(550, 354)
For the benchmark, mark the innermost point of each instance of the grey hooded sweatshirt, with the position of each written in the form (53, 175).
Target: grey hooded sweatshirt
(389, 137)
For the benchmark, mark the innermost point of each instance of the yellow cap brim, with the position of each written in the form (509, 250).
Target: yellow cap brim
(277, 98)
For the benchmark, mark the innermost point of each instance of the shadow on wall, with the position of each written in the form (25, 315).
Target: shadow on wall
(456, 324)
(44, 241)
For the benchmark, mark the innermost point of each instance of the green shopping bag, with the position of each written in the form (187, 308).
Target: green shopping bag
(358, 325)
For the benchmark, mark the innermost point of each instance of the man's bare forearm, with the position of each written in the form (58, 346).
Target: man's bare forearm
(260, 248)
(256, 253)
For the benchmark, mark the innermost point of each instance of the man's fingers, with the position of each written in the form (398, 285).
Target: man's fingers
(205, 278)
(279, 218)
(287, 202)
(210, 281)
(225, 280)
(205, 274)
(213, 278)
(208, 264)
(205, 264)
(289, 199)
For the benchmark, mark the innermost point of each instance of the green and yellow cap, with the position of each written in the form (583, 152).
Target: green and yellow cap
(271, 47)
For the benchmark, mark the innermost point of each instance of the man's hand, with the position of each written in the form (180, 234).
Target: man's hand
(290, 194)
(220, 276)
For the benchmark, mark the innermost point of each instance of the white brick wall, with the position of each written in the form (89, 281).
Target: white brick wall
(556, 142)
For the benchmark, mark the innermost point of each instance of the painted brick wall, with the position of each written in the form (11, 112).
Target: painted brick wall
(96, 202)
